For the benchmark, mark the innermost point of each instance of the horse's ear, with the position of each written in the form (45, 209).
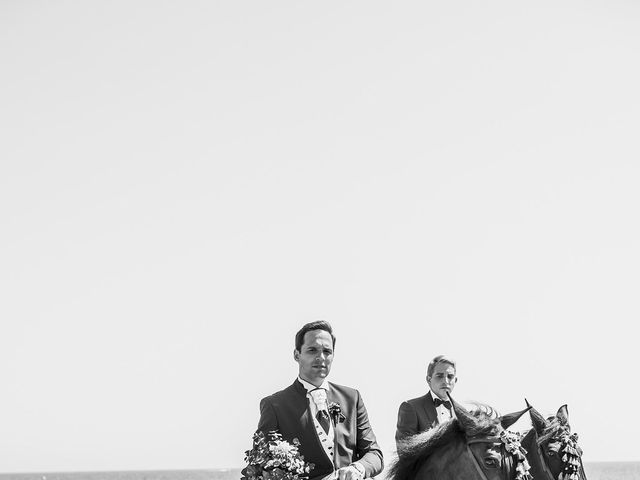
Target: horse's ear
(510, 418)
(465, 419)
(537, 420)
(563, 415)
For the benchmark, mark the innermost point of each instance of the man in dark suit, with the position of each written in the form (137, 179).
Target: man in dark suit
(329, 420)
(422, 413)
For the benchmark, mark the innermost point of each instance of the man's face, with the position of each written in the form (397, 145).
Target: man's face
(442, 380)
(315, 356)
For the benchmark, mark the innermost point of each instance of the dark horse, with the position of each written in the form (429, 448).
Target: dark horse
(471, 446)
(552, 450)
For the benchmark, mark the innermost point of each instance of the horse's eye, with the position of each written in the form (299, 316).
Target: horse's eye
(491, 462)
(551, 453)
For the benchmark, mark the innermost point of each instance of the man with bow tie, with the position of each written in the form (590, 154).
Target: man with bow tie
(329, 420)
(422, 413)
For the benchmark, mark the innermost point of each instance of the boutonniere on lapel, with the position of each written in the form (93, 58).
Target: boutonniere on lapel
(335, 412)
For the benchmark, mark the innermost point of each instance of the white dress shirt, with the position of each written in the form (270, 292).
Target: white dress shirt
(443, 412)
(318, 401)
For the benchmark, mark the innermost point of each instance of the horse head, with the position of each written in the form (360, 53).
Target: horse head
(497, 454)
(552, 449)
(472, 445)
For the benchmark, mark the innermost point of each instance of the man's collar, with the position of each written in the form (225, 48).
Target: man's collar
(309, 386)
(434, 396)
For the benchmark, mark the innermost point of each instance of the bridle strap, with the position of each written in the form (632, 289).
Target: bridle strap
(475, 462)
(507, 463)
(543, 461)
(545, 466)
(582, 469)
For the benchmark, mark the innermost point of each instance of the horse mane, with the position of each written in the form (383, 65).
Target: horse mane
(415, 450)
(488, 410)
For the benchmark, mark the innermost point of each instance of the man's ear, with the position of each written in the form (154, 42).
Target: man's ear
(296, 355)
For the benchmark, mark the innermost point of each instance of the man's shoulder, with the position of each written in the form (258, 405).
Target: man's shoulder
(298, 390)
(418, 400)
(348, 394)
(282, 394)
(349, 391)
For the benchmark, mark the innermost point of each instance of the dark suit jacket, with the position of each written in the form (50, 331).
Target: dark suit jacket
(288, 412)
(415, 416)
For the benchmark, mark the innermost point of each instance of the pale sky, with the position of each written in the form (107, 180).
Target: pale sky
(184, 184)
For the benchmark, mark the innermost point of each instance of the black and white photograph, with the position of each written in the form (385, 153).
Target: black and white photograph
(292, 240)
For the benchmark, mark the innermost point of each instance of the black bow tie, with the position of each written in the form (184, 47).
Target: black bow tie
(438, 401)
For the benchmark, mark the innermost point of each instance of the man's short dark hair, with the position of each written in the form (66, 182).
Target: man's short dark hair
(437, 360)
(318, 325)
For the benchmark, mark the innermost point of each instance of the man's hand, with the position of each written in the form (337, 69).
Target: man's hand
(349, 473)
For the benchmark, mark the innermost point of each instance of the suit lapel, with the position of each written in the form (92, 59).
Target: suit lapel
(430, 410)
(332, 397)
(306, 420)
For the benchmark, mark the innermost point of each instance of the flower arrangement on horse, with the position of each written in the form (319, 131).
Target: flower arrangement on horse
(511, 441)
(273, 458)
